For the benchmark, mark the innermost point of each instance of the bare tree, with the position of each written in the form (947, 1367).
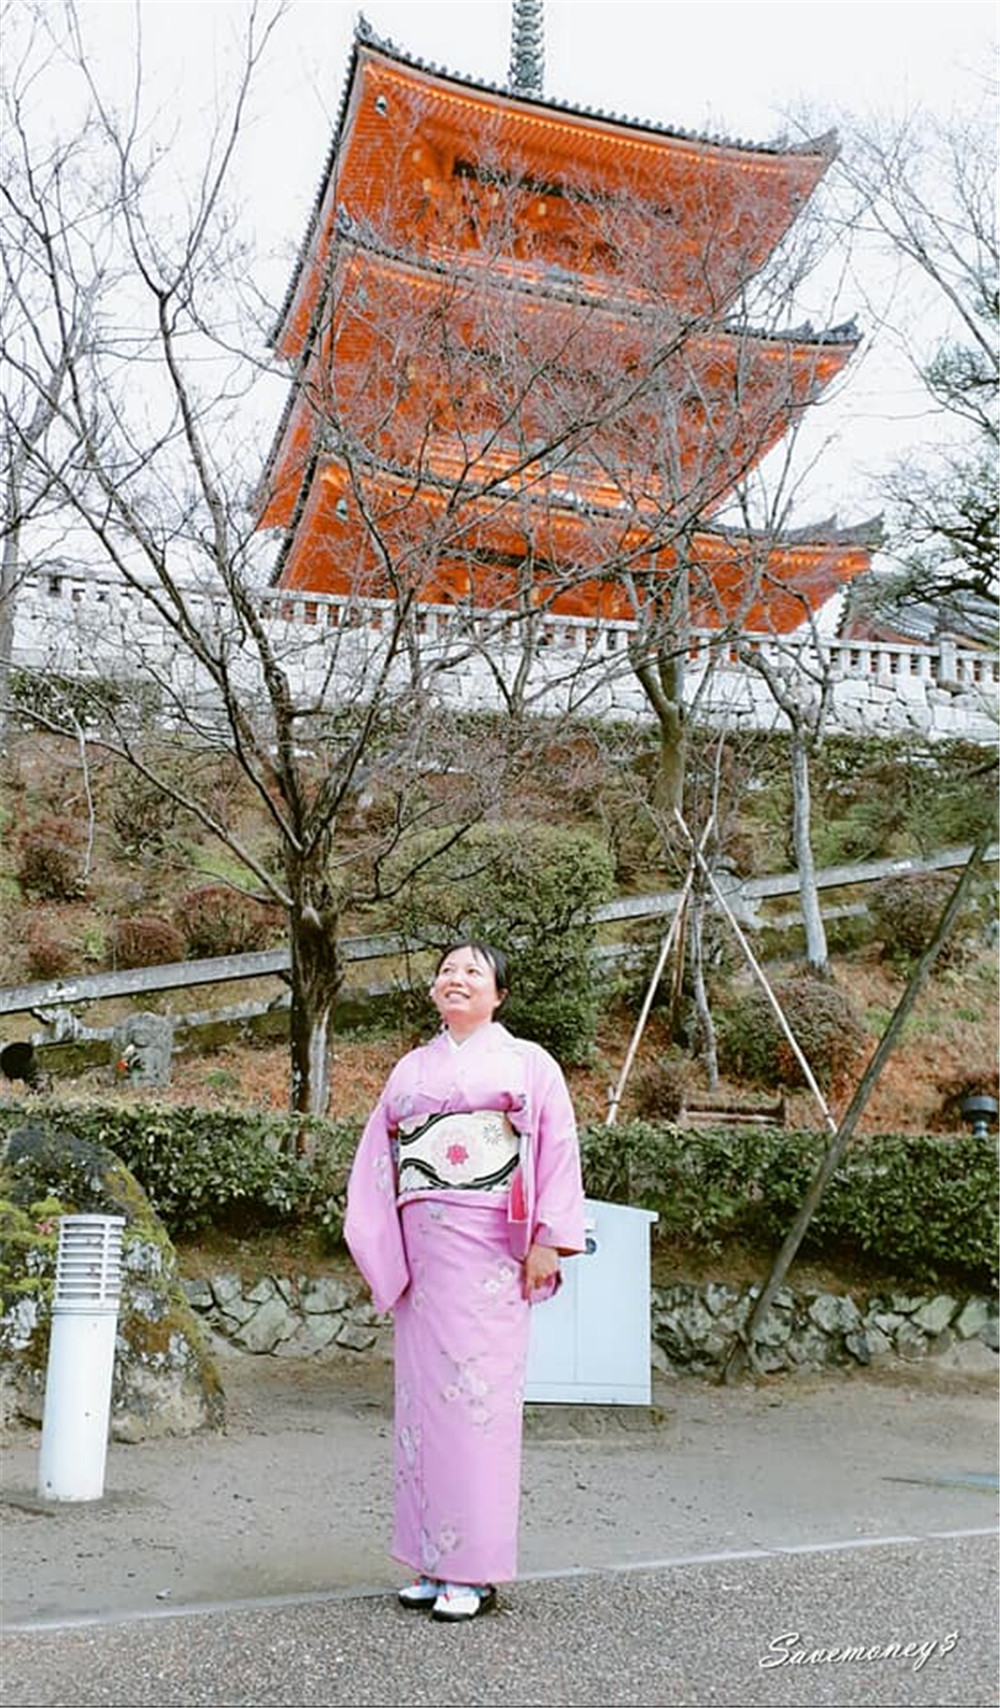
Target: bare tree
(468, 449)
(51, 190)
(925, 188)
(139, 359)
(799, 682)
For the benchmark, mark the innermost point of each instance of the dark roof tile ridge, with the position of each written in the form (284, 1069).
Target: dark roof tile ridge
(360, 236)
(829, 532)
(846, 332)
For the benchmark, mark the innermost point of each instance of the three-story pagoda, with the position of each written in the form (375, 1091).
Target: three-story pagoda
(520, 364)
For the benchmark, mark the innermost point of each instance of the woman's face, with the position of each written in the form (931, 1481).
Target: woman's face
(465, 991)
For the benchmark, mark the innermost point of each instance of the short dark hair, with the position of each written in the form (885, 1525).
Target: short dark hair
(494, 958)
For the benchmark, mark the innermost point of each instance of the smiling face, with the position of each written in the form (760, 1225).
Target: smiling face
(465, 991)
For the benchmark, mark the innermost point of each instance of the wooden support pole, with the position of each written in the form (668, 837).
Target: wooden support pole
(743, 1350)
(759, 974)
(665, 948)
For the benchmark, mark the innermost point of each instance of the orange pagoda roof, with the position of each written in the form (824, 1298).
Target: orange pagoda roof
(579, 560)
(507, 328)
(440, 166)
(388, 382)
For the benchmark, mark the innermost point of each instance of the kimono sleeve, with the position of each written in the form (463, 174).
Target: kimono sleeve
(558, 1182)
(371, 1226)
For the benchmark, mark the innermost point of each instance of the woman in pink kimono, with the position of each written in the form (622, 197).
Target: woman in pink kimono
(464, 1194)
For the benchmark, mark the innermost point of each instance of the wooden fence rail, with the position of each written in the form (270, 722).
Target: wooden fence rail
(744, 896)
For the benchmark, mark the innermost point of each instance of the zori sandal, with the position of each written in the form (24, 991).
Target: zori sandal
(459, 1601)
(421, 1593)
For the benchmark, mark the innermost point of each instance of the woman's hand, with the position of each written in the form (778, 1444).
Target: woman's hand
(540, 1266)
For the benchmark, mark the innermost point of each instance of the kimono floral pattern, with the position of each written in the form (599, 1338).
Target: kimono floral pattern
(461, 1342)
(448, 1262)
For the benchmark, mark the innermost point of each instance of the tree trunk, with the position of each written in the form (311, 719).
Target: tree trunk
(668, 792)
(8, 584)
(816, 949)
(709, 1050)
(317, 973)
(657, 652)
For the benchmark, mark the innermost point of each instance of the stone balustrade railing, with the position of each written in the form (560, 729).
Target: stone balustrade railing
(92, 625)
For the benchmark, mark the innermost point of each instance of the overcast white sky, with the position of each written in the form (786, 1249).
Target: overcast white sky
(715, 67)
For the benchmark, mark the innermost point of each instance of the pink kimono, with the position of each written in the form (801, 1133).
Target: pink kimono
(448, 1263)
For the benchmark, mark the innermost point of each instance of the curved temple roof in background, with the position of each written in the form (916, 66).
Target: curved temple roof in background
(388, 94)
(587, 247)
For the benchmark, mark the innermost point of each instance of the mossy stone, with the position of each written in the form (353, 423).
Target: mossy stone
(166, 1381)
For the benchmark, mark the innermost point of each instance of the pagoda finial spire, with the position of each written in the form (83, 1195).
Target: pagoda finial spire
(527, 48)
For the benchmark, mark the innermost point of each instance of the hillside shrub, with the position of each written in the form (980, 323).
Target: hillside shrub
(88, 701)
(923, 1208)
(141, 815)
(141, 940)
(876, 797)
(824, 1021)
(217, 920)
(905, 912)
(530, 889)
(627, 825)
(49, 951)
(659, 1090)
(48, 859)
(926, 1206)
(701, 1184)
(209, 1168)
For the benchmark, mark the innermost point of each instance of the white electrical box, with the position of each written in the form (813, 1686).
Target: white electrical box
(590, 1344)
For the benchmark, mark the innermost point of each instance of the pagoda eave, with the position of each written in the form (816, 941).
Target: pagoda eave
(391, 392)
(416, 129)
(580, 564)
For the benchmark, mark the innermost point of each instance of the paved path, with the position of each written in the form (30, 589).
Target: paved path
(893, 1623)
(717, 1553)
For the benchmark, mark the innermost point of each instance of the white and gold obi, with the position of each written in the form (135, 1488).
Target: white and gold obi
(473, 1152)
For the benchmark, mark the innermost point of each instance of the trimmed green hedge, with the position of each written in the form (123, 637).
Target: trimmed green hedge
(924, 1207)
(206, 1168)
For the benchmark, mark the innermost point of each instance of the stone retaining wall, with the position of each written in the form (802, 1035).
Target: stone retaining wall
(692, 1325)
(291, 1317)
(693, 1328)
(83, 624)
